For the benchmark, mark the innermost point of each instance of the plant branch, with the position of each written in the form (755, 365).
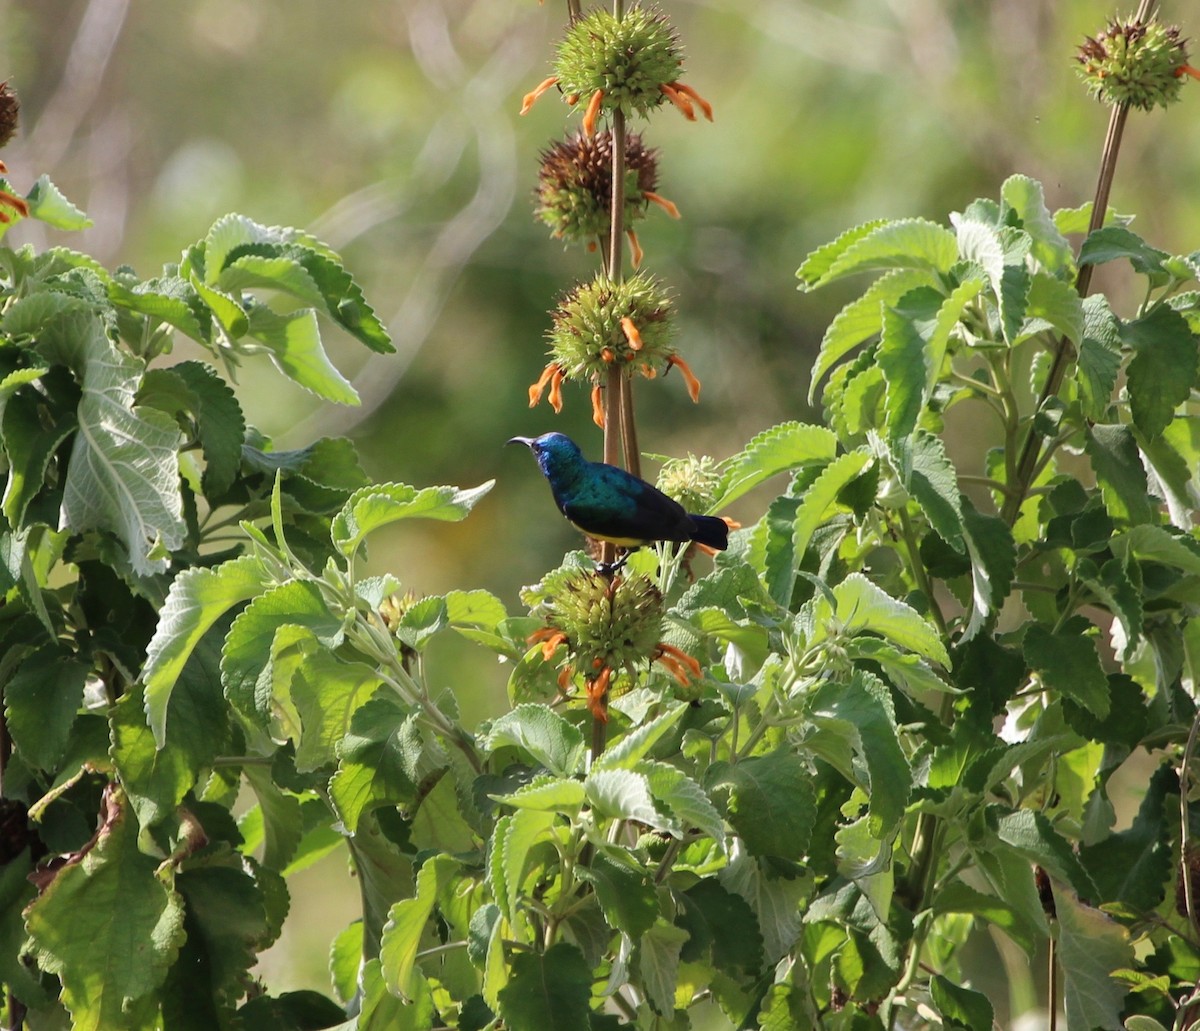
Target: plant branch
(1065, 352)
(1185, 837)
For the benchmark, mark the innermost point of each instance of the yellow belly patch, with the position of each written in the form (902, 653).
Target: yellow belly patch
(620, 542)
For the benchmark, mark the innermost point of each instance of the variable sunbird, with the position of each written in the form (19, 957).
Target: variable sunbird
(610, 504)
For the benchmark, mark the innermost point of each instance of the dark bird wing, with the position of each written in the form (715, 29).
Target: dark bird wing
(613, 505)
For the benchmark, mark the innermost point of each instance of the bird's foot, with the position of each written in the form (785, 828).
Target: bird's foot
(612, 568)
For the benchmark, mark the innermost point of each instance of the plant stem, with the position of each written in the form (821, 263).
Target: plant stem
(1185, 837)
(1031, 450)
(918, 571)
(1052, 983)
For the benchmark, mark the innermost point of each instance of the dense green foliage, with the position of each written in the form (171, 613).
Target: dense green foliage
(919, 677)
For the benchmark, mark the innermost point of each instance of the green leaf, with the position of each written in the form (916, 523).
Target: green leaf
(550, 795)
(380, 761)
(41, 702)
(906, 243)
(863, 607)
(722, 920)
(782, 448)
(345, 959)
(993, 554)
(1134, 865)
(960, 1007)
(281, 817)
(658, 964)
(197, 599)
(1163, 368)
(219, 423)
(294, 343)
(683, 802)
(625, 795)
(859, 738)
(32, 433)
(771, 802)
(328, 691)
(1032, 835)
(1111, 243)
(959, 897)
(108, 927)
(172, 300)
(1156, 544)
(380, 504)
(406, 924)
(1099, 359)
(47, 204)
(154, 780)
(933, 482)
(1011, 876)
(1119, 471)
(860, 320)
(550, 989)
(247, 655)
(344, 301)
(226, 925)
(776, 898)
(1067, 663)
(123, 473)
(225, 309)
(1052, 304)
(624, 889)
(1026, 197)
(822, 495)
(637, 743)
(816, 266)
(1091, 946)
(547, 737)
(907, 331)
(382, 1011)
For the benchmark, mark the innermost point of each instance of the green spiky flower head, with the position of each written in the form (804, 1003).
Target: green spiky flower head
(574, 191)
(629, 58)
(693, 482)
(10, 109)
(1134, 63)
(603, 321)
(608, 624)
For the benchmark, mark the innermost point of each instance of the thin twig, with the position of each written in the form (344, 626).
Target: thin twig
(1185, 837)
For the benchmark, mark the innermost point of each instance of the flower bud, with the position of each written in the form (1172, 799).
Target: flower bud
(1133, 63)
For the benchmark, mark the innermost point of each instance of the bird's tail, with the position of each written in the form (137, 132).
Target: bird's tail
(711, 531)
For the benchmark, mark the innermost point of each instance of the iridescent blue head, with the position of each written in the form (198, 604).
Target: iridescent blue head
(558, 456)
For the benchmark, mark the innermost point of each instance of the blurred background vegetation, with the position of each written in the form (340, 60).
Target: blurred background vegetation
(389, 128)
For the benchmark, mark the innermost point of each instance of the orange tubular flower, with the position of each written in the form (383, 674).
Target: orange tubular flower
(631, 333)
(8, 200)
(537, 91)
(649, 371)
(597, 406)
(537, 389)
(550, 638)
(635, 249)
(555, 397)
(680, 101)
(687, 91)
(679, 656)
(689, 377)
(597, 690)
(662, 202)
(592, 113)
(1187, 69)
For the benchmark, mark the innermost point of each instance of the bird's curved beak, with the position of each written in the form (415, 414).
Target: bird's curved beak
(527, 441)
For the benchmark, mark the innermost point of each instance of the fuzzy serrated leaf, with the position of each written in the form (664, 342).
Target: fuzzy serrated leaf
(108, 927)
(1027, 198)
(378, 505)
(548, 990)
(294, 343)
(197, 599)
(1119, 473)
(546, 736)
(777, 450)
(771, 802)
(860, 320)
(1163, 368)
(123, 473)
(48, 204)
(1091, 946)
(905, 243)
